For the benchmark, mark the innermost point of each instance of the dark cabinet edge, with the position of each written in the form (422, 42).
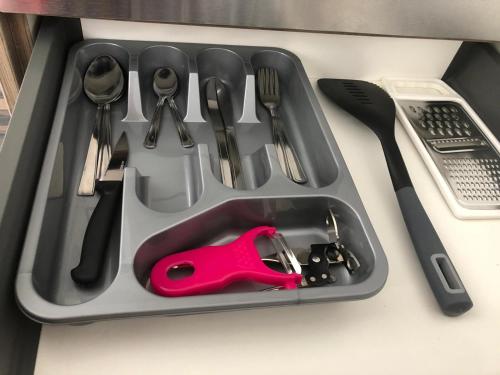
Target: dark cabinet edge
(474, 73)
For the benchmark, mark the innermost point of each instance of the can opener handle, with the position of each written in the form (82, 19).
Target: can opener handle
(216, 267)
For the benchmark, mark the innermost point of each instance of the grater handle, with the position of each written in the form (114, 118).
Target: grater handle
(438, 268)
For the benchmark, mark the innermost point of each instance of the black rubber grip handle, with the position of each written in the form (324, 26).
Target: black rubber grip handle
(438, 268)
(96, 239)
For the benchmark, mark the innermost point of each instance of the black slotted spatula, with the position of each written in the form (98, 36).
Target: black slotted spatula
(374, 107)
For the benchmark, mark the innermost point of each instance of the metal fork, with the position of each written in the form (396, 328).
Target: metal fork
(268, 84)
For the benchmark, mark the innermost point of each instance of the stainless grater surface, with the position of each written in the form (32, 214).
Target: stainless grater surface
(475, 181)
(466, 159)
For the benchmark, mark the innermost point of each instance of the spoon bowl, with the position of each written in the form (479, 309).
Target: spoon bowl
(165, 82)
(103, 82)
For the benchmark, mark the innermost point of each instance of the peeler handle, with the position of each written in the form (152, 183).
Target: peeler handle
(215, 267)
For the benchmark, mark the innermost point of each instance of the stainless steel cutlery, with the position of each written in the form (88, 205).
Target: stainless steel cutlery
(165, 85)
(269, 94)
(103, 84)
(229, 156)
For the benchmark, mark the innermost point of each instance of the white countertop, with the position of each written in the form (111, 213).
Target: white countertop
(399, 331)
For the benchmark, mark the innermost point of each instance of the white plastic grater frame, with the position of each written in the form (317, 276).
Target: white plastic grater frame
(431, 89)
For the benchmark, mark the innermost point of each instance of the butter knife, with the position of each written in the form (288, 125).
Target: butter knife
(229, 156)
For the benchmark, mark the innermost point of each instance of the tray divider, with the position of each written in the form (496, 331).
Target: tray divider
(193, 112)
(134, 102)
(249, 112)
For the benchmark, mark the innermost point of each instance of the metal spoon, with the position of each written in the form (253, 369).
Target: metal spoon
(103, 83)
(165, 85)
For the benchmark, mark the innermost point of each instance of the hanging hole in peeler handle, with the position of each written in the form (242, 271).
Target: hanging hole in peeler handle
(180, 271)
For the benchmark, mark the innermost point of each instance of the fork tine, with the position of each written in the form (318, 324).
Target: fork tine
(276, 82)
(264, 80)
(270, 81)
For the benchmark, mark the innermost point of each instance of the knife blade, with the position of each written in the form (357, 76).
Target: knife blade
(229, 157)
(98, 230)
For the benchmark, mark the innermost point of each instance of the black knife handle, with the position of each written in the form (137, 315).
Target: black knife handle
(96, 239)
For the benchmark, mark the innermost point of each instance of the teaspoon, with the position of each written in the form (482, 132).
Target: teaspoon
(165, 85)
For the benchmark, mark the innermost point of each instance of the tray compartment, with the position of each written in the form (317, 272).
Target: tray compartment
(300, 220)
(231, 69)
(170, 177)
(299, 119)
(67, 214)
(163, 56)
(175, 187)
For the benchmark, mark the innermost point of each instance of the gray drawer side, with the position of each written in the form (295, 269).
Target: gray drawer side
(21, 158)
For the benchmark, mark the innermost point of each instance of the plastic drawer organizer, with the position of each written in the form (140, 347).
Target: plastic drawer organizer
(173, 199)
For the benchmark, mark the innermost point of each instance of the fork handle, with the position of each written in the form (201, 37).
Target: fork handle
(278, 144)
(292, 162)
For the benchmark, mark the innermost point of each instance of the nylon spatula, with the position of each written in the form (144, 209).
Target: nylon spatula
(374, 107)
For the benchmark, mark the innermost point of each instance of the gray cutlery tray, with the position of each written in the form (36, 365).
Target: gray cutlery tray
(173, 199)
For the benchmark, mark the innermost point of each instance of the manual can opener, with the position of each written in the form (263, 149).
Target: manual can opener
(322, 255)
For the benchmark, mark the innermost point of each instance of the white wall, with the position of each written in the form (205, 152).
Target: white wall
(347, 56)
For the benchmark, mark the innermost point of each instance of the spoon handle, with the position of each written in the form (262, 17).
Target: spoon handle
(154, 129)
(185, 137)
(104, 142)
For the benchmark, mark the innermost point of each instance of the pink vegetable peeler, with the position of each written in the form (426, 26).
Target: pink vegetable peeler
(215, 267)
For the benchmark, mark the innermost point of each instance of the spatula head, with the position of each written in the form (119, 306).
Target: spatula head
(364, 100)
(374, 107)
